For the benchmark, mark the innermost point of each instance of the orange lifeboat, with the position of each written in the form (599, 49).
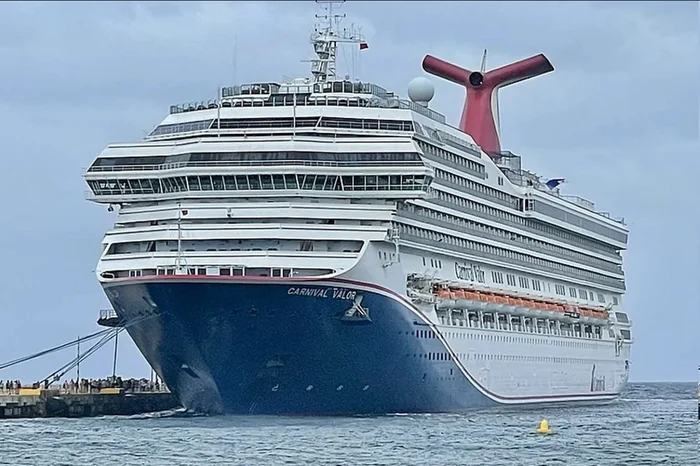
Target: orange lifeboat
(444, 294)
(528, 303)
(539, 305)
(459, 294)
(500, 299)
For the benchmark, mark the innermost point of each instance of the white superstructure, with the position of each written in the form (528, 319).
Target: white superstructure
(329, 178)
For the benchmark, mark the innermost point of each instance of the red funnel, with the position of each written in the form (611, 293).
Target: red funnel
(479, 115)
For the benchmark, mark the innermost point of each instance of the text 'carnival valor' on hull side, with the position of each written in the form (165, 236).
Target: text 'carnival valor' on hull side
(322, 246)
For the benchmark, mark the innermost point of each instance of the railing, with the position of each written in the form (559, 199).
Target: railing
(504, 240)
(251, 163)
(76, 388)
(223, 271)
(372, 96)
(299, 130)
(547, 266)
(521, 226)
(511, 167)
(106, 314)
(540, 329)
(585, 203)
(417, 191)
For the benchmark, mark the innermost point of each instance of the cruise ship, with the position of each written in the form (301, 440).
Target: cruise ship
(322, 246)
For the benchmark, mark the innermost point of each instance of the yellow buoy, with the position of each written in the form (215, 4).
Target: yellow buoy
(543, 428)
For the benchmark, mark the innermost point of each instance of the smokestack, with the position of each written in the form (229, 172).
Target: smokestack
(479, 116)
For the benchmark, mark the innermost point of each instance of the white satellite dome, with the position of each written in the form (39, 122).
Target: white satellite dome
(421, 90)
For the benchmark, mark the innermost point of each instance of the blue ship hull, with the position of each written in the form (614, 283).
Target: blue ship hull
(290, 348)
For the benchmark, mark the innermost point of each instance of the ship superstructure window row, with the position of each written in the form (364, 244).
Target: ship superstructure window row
(478, 189)
(488, 193)
(259, 182)
(499, 234)
(457, 244)
(571, 335)
(458, 162)
(217, 270)
(497, 215)
(485, 335)
(189, 127)
(586, 224)
(196, 159)
(540, 285)
(324, 122)
(284, 122)
(235, 245)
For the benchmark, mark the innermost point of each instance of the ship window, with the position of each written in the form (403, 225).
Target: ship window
(319, 182)
(254, 181)
(278, 181)
(331, 183)
(229, 183)
(266, 181)
(291, 181)
(615, 300)
(242, 182)
(205, 182)
(217, 182)
(308, 181)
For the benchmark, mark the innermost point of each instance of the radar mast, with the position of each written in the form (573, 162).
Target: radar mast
(325, 39)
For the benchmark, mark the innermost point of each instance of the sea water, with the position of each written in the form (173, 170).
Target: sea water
(653, 424)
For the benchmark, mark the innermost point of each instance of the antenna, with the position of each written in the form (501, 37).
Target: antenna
(483, 63)
(325, 39)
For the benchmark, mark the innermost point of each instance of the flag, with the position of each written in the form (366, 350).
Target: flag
(363, 45)
(554, 182)
(184, 212)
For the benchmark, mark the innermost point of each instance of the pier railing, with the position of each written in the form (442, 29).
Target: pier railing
(91, 387)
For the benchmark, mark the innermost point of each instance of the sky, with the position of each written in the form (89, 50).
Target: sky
(618, 118)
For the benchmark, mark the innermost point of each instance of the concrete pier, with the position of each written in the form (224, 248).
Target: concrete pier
(36, 402)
